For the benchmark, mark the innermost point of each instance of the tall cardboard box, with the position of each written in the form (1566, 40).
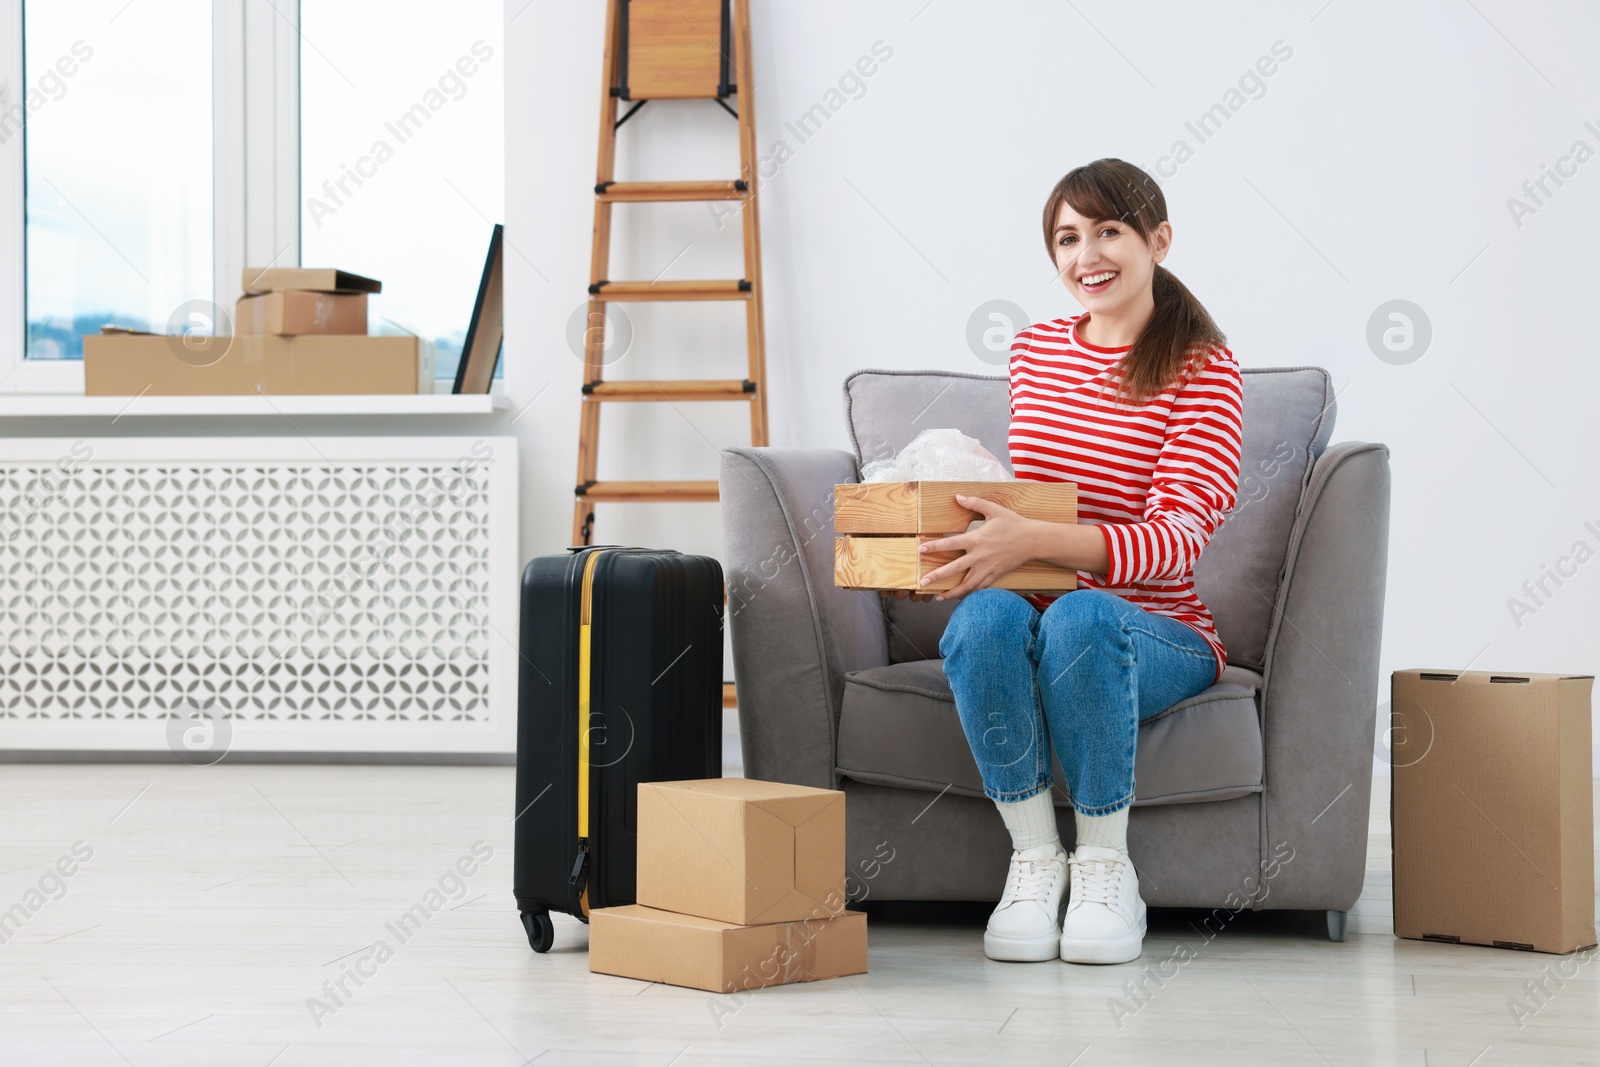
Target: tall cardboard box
(741, 851)
(1491, 809)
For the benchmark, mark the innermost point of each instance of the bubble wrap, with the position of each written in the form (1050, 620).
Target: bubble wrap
(938, 455)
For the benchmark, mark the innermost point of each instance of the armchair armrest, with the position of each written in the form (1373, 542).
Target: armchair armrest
(795, 634)
(1320, 689)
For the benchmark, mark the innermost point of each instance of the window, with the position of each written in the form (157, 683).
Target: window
(401, 155)
(150, 151)
(116, 131)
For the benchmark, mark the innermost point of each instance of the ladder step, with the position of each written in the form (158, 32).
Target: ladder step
(649, 491)
(638, 192)
(729, 389)
(738, 289)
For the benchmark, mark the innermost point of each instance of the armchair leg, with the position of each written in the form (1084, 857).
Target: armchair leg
(1337, 922)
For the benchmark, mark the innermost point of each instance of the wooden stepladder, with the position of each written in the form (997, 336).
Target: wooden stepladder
(669, 50)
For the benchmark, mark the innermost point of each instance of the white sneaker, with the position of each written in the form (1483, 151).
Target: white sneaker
(1105, 914)
(1026, 924)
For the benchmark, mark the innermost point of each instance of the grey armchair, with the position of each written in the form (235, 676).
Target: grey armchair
(1254, 793)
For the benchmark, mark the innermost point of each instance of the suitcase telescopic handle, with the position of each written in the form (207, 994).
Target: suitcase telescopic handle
(624, 548)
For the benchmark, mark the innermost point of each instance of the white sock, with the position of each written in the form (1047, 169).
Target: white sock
(1032, 822)
(1103, 831)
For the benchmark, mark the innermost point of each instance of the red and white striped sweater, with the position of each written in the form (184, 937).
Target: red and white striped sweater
(1156, 479)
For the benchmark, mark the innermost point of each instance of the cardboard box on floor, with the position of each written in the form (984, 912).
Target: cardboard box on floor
(1491, 812)
(292, 312)
(156, 365)
(741, 851)
(652, 945)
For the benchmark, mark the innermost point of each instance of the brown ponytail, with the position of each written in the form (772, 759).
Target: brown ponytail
(1180, 330)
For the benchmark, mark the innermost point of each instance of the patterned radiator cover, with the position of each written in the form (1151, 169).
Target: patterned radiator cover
(295, 594)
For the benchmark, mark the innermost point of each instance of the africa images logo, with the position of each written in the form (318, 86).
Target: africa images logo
(199, 736)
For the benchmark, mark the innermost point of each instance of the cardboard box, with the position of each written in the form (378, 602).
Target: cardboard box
(741, 851)
(1491, 809)
(635, 941)
(298, 311)
(316, 279)
(880, 525)
(133, 364)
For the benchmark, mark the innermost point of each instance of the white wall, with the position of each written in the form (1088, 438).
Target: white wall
(1376, 165)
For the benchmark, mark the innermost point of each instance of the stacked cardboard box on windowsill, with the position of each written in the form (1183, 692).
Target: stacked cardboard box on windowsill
(291, 301)
(296, 331)
(740, 886)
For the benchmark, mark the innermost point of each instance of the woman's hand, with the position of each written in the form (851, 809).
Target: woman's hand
(1003, 543)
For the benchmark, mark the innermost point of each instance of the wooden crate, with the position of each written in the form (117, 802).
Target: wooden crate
(931, 508)
(880, 525)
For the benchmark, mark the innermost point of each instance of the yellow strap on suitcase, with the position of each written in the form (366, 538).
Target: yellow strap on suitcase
(585, 615)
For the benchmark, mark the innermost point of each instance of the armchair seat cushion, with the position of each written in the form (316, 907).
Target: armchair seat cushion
(898, 726)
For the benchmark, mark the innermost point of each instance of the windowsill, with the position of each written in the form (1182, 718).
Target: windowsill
(61, 405)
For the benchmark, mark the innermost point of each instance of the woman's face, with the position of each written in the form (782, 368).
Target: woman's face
(1104, 263)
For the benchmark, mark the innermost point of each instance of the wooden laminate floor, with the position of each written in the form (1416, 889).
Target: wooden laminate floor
(215, 903)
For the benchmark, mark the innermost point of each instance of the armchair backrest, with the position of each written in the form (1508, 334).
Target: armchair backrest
(1288, 420)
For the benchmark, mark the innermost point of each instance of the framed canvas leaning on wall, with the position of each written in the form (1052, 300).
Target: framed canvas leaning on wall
(480, 353)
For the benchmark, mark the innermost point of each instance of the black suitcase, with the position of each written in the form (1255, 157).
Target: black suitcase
(619, 682)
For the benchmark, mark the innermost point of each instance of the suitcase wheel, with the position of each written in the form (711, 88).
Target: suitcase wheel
(541, 931)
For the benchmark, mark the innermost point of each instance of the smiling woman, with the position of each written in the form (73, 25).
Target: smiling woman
(1139, 403)
(1152, 312)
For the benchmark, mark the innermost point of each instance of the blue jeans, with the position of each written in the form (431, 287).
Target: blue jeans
(1082, 674)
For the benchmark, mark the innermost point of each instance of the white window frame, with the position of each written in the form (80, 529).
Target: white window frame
(255, 170)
